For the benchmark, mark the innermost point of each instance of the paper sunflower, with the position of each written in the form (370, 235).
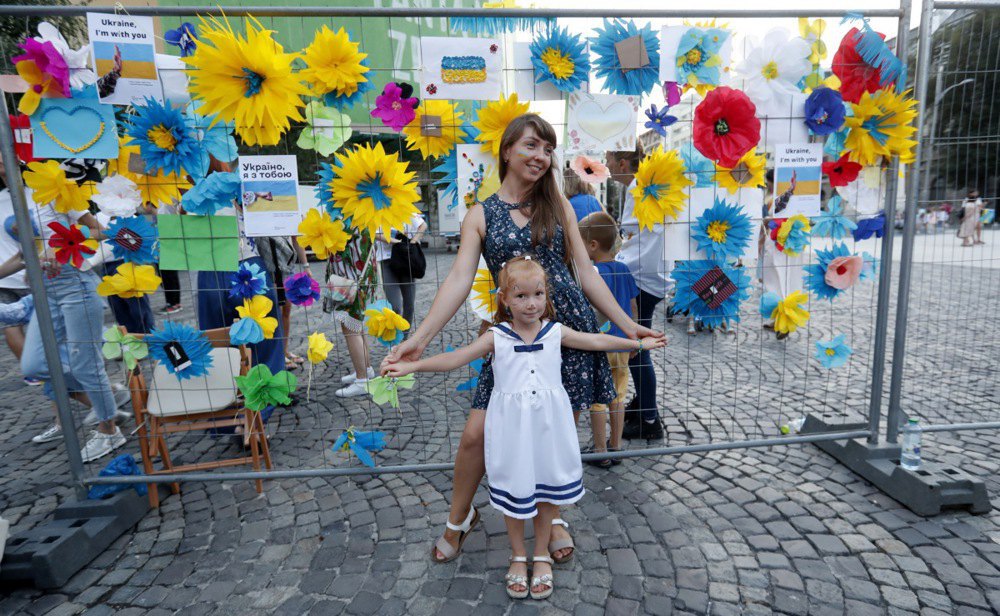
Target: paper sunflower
(333, 64)
(841, 172)
(836, 265)
(396, 105)
(214, 135)
(659, 120)
(126, 347)
(246, 282)
(165, 141)
(117, 196)
(864, 63)
(590, 170)
(261, 389)
(699, 59)
(560, 58)
(343, 102)
(245, 331)
(384, 324)
(492, 120)
(697, 166)
(374, 189)
(492, 26)
(483, 295)
(726, 126)
(659, 188)
(748, 173)
(258, 308)
(825, 111)
(324, 236)
(833, 353)
(385, 389)
(791, 235)
(158, 189)
(722, 232)
(870, 227)
(319, 347)
(49, 185)
(182, 349)
(133, 239)
(131, 280)
(439, 138)
(773, 70)
(881, 125)
(71, 244)
(184, 36)
(831, 223)
(212, 193)
(301, 289)
(787, 313)
(627, 80)
(44, 69)
(711, 292)
(246, 79)
(361, 443)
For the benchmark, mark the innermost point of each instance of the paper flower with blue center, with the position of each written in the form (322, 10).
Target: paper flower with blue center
(326, 129)
(245, 331)
(659, 188)
(747, 173)
(258, 308)
(158, 189)
(130, 280)
(492, 120)
(249, 280)
(833, 353)
(361, 444)
(659, 120)
(492, 26)
(835, 270)
(722, 232)
(791, 235)
(117, 196)
(870, 227)
(825, 111)
(832, 223)
(437, 137)
(561, 59)
(773, 70)
(711, 292)
(375, 190)
(321, 234)
(133, 239)
(165, 141)
(184, 36)
(697, 166)
(333, 64)
(881, 125)
(212, 193)
(183, 350)
(699, 61)
(385, 389)
(301, 289)
(261, 389)
(384, 324)
(786, 312)
(216, 136)
(628, 58)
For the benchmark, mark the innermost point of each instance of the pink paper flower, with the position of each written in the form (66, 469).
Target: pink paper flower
(395, 107)
(843, 272)
(48, 60)
(590, 171)
(671, 93)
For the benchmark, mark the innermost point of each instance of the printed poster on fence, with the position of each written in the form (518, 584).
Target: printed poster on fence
(124, 58)
(798, 175)
(270, 195)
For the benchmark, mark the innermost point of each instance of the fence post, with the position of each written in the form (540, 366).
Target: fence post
(33, 269)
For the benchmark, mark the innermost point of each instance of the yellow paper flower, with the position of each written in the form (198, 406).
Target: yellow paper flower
(659, 188)
(789, 315)
(257, 308)
(882, 125)
(492, 121)
(444, 138)
(374, 189)
(333, 63)
(321, 234)
(748, 173)
(384, 324)
(48, 182)
(245, 79)
(484, 294)
(793, 235)
(130, 280)
(319, 347)
(39, 84)
(160, 189)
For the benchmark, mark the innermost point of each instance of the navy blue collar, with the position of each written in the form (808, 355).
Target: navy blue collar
(527, 348)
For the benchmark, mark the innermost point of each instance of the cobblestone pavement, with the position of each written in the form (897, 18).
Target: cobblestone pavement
(782, 530)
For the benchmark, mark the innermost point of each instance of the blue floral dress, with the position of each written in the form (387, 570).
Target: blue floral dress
(586, 375)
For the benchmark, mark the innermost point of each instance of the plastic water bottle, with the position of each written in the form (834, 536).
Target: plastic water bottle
(911, 445)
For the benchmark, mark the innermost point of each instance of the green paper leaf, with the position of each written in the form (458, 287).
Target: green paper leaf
(386, 389)
(326, 129)
(199, 243)
(126, 347)
(261, 388)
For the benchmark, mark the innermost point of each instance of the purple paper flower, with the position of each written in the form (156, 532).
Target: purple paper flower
(301, 289)
(395, 106)
(671, 93)
(824, 111)
(185, 37)
(48, 60)
(248, 281)
(659, 120)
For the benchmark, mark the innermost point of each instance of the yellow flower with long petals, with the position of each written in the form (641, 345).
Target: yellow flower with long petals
(247, 79)
(257, 308)
(384, 324)
(159, 189)
(130, 280)
(882, 125)
(789, 315)
(748, 173)
(484, 294)
(319, 347)
(333, 63)
(659, 187)
(323, 235)
(49, 184)
(374, 190)
(492, 121)
(441, 141)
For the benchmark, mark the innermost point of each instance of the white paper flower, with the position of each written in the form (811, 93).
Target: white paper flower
(117, 196)
(773, 71)
(78, 60)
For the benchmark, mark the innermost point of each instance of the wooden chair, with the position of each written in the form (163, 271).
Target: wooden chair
(168, 405)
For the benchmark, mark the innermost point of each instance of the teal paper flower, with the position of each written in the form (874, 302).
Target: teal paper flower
(618, 80)
(830, 223)
(166, 344)
(815, 273)
(165, 141)
(870, 268)
(697, 166)
(361, 443)
(215, 135)
(723, 305)
(722, 232)
(834, 353)
(133, 239)
(492, 26)
(245, 331)
(560, 58)
(698, 57)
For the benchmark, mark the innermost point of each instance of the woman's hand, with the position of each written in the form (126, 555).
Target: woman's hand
(637, 331)
(409, 351)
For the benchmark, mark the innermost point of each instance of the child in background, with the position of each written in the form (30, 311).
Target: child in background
(531, 447)
(599, 232)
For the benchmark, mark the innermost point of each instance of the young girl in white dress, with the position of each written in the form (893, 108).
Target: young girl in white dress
(532, 451)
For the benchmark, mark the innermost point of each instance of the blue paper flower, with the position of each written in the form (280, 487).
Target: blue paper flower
(165, 141)
(825, 111)
(476, 366)
(196, 347)
(830, 223)
(688, 273)
(133, 239)
(448, 167)
(246, 282)
(324, 190)
(722, 232)
(361, 443)
(492, 26)
(618, 80)
(815, 278)
(212, 193)
(697, 59)
(697, 166)
(185, 37)
(870, 268)
(868, 227)
(301, 289)
(215, 135)
(835, 144)
(343, 102)
(833, 354)
(245, 331)
(561, 58)
(659, 120)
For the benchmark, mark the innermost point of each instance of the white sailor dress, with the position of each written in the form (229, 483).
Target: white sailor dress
(531, 447)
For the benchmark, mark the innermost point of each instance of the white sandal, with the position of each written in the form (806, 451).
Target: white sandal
(542, 580)
(512, 579)
(445, 548)
(562, 544)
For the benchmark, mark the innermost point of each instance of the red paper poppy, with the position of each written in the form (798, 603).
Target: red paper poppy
(70, 244)
(726, 126)
(856, 76)
(841, 172)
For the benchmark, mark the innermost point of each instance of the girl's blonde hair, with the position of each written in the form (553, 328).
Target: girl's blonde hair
(517, 269)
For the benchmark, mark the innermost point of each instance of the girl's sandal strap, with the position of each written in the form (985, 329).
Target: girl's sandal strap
(543, 559)
(517, 559)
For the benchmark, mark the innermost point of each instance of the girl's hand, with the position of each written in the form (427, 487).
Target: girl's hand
(410, 350)
(638, 331)
(652, 342)
(399, 369)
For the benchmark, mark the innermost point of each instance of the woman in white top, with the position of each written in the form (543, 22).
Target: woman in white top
(400, 293)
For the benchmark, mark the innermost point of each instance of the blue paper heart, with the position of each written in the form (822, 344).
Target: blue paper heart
(85, 144)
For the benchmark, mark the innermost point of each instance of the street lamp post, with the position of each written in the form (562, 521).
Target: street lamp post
(931, 134)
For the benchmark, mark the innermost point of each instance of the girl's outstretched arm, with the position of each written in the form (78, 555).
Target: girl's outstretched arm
(603, 342)
(444, 361)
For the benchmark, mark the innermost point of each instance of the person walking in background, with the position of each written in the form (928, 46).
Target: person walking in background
(580, 195)
(400, 290)
(970, 229)
(14, 288)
